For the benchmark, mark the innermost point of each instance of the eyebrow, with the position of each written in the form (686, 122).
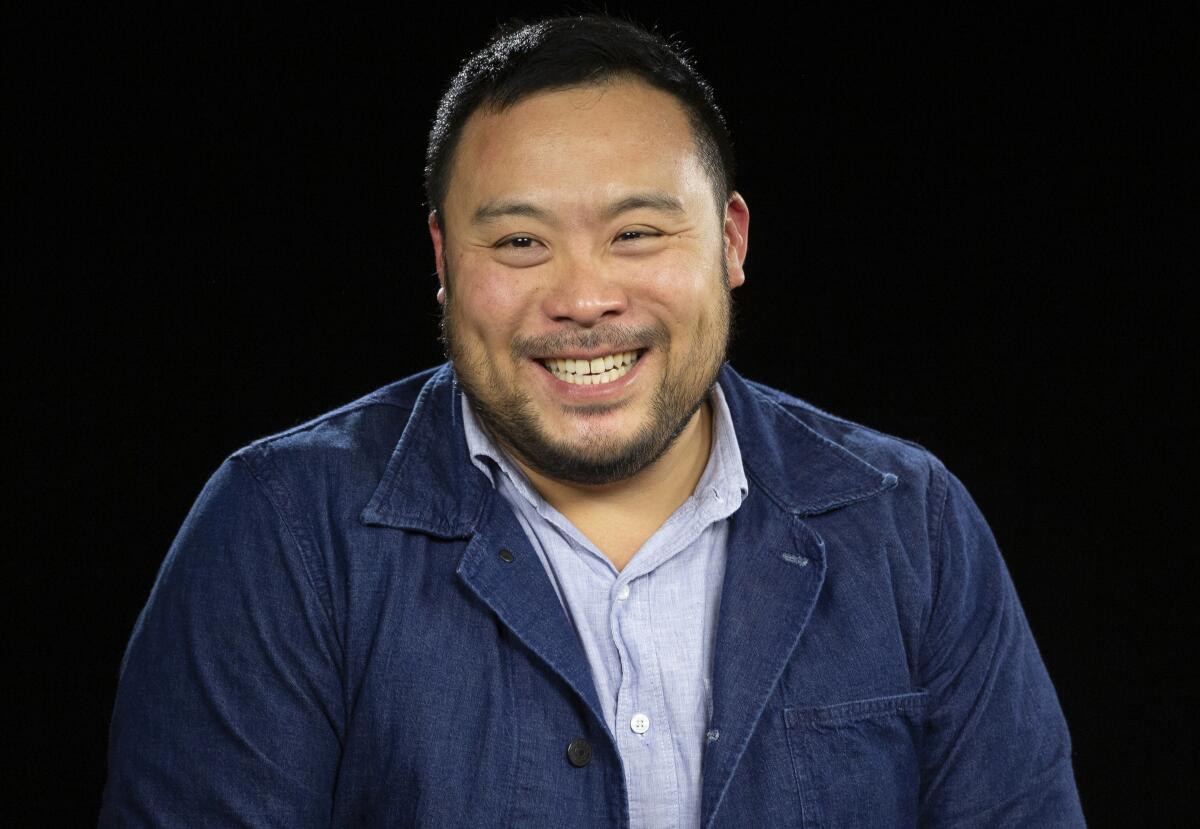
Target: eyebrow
(493, 210)
(661, 202)
(658, 201)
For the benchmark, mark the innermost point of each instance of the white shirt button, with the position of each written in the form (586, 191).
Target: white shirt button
(623, 592)
(640, 723)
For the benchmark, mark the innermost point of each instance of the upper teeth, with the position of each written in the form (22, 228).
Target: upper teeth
(594, 371)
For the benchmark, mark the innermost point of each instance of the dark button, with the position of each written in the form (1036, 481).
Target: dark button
(506, 555)
(579, 752)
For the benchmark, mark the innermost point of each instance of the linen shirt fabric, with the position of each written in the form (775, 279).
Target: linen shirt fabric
(647, 630)
(352, 628)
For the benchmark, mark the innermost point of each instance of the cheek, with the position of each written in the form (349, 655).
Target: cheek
(489, 302)
(678, 288)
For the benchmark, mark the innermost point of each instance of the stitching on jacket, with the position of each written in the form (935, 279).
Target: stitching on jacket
(324, 600)
(938, 478)
(847, 712)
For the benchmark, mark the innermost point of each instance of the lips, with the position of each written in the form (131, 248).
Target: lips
(592, 372)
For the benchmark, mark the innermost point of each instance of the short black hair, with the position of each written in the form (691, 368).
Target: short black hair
(560, 52)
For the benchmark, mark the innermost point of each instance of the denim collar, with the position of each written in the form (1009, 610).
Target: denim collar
(430, 484)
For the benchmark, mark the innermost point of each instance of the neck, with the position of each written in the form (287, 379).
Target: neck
(645, 499)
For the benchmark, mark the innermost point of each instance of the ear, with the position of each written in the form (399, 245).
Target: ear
(439, 254)
(736, 230)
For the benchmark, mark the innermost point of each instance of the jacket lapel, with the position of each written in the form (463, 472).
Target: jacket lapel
(773, 574)
(431, 486)
(775, 565)
(520, 593)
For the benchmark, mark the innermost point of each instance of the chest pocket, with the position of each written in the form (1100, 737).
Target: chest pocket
(857, 764)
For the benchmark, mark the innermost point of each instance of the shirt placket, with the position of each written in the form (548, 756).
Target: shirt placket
(642, 728)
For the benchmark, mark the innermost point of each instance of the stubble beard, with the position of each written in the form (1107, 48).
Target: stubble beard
(510, 416)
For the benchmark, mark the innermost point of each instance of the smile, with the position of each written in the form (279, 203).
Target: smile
(594, 372)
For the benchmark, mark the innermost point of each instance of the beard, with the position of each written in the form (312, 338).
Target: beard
(511, 417)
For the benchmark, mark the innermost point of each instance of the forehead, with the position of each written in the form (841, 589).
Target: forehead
(579, 143)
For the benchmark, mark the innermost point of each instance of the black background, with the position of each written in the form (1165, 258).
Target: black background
(968, 229)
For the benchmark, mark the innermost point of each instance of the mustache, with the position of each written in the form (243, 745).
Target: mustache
(609, 337)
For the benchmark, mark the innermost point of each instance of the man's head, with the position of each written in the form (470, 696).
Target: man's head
(574, 225)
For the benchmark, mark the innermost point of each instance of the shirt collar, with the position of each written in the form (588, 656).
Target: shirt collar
(723, 475)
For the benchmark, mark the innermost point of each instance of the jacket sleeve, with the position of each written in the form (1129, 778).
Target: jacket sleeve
(229, 709)
(996, 749)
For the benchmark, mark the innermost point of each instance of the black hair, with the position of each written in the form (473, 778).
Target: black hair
(561, 52)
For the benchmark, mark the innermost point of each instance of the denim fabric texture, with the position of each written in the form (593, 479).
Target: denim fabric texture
(351, 628)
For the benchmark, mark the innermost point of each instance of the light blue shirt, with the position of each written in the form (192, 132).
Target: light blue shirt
(648, 630)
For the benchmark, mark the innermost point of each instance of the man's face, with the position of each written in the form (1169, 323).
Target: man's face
(586, 277)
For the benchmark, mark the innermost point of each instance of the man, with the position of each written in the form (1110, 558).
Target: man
(585, 574)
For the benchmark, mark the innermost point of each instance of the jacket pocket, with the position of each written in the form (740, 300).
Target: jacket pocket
(857, 764)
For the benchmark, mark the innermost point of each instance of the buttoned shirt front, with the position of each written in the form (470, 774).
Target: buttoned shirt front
(647, 630)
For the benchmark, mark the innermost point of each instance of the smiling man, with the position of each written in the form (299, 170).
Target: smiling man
(585, 574)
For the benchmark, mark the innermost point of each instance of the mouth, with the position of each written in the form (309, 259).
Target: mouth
(595, 371)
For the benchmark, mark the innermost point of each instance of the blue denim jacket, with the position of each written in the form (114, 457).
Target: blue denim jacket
(351, 629)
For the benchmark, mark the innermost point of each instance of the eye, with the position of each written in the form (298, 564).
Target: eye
(634, 235)
(517, 243)
(521, 251)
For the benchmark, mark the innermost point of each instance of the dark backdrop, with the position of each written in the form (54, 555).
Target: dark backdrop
(968, 230)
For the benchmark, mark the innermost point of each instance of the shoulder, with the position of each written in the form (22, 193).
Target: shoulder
(340, 453)
(918, 470)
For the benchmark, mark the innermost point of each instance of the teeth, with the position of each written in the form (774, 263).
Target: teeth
(592, 372)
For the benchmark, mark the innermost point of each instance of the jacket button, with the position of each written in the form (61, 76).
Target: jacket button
(579, 752)
(506, 555)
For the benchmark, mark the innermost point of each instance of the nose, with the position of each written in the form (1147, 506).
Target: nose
(583, 291)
